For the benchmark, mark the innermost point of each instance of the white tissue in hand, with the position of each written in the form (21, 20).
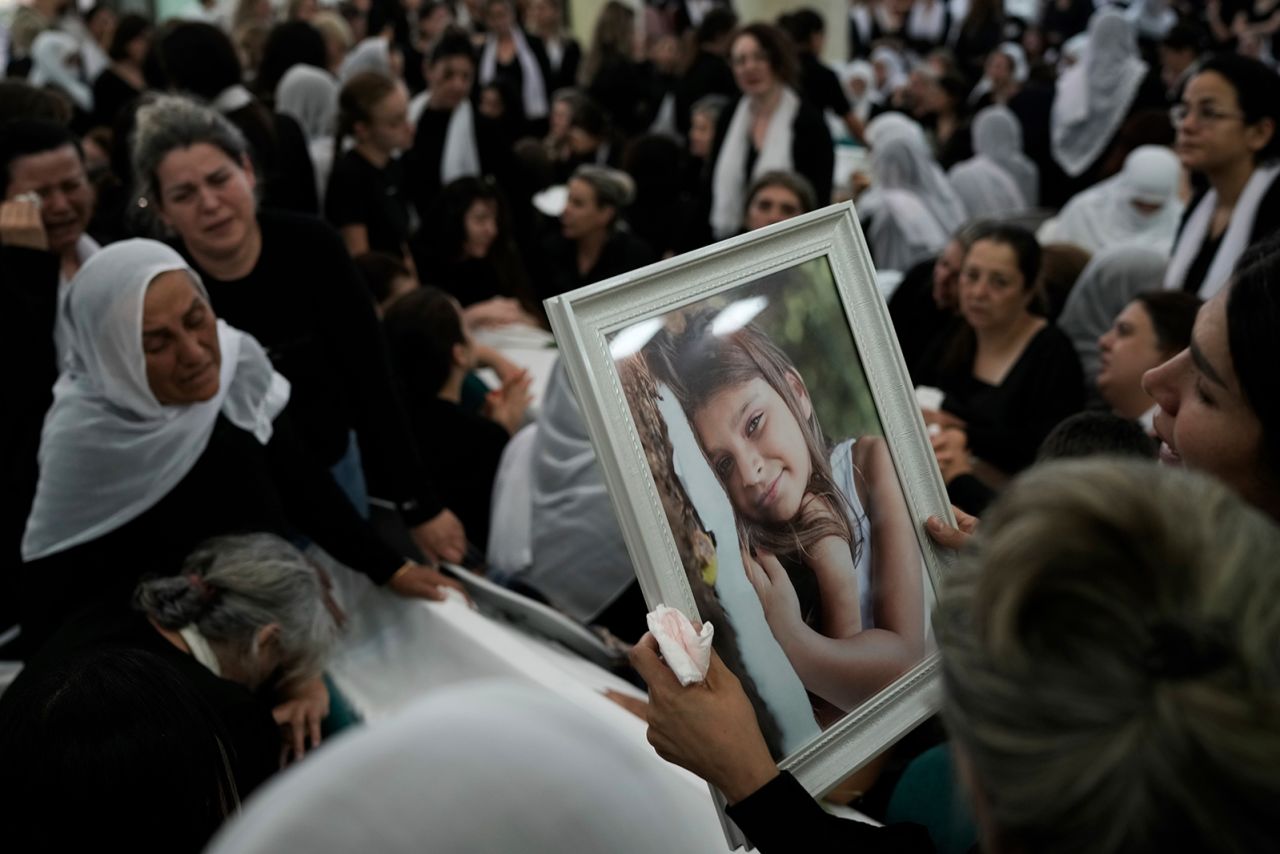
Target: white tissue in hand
(686, 651)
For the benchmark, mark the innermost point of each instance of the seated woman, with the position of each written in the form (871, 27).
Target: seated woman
(309, 95)
(121, 82)
(768, 129)
(999, 180)
(903, 213)
(1150, 331)
(517, 63)
(1011, 376)
(1139, 206)
(366, 200)
(1097, 590)
(593, 244)
(55, 64)
(170, 427)
(775, 197)
(465, 247)
(248, 625)
(1228, 135)
(433, 354)
(289, 281)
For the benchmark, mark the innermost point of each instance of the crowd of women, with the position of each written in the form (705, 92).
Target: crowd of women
(248, 256)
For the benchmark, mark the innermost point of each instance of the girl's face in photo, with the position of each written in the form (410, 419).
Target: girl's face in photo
(757, 448)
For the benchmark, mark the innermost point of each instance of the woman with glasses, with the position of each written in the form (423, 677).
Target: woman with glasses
(1227, 138)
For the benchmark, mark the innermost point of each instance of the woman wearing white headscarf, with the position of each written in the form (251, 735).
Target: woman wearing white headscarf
(1139, 205)
(907, 161)
(904, 229)
(859, 81)
(999, 180)
(55, 62)
(505, 767)
(891, 70)
(1005, 71)
(167, 427)
(372, 54)
(310, 96)
(1097, 94)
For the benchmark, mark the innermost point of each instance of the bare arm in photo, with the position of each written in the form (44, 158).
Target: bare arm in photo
(831, 560)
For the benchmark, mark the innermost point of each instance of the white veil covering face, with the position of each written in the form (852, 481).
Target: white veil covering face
(988, 183)
(492, 766)
(1094, 95)
(1104, 215)
(904, 229)
(109, 450)
(52, 53)
(889, 61)
(902, 160)
(310, 95)
(860, 69)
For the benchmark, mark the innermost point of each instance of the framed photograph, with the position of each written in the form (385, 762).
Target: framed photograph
(772, 473)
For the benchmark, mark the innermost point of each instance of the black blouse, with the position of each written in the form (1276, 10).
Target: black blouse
(360, 193)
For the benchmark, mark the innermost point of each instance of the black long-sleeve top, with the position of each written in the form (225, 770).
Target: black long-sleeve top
(238, 485)
(1006, 423)
(780, 817)
(305, 302)
(424, 159)
(708, 74)
(29, 294)
(812, 152)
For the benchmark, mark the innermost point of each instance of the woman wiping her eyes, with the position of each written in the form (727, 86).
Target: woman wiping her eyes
(834, 509)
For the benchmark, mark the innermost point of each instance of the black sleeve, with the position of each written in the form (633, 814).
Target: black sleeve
(813, 153)
(317, 506)
(970, 494)
(297, 173)
(781, 818)
(833, 96)
(346, 200)
(423, 162)
(1266, 222)
(1050, 391)
(391, 461)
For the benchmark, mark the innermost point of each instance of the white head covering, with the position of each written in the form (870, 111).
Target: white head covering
(729, 179)
(534, 94)
(309, 95)
(904, 226)
(1017, 56)
(1072, 52)
(862, 70)
(997, 136)
(51, 56)
(901, 160)
(580, 560)
(1151, 18)
(1113, 277)
(491, 767)
(1104, 215)
(1093, 97)
(109, 450)
(372, 54)
(895, 69)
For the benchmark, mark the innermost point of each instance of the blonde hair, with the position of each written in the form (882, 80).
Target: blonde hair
(1111, 664)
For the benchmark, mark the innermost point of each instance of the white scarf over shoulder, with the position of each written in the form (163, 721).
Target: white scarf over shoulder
(1094, 95)
(109, 450)
(534, 94)
(729, 180)
(1234, 241)
(461, 158)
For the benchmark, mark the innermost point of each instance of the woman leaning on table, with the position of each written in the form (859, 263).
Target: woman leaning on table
(288, 281)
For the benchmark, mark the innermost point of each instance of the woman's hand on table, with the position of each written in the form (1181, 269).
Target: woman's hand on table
(951, 448)
(952, 538)
(299, 718)
(708, 728)
(415, 581)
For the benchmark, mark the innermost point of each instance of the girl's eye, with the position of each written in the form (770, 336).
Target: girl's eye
(754, 424)
(723, 465)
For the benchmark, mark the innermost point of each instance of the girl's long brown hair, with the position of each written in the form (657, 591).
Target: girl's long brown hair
(697, 364)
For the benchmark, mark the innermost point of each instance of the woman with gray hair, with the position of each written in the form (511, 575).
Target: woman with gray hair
(289, 281)
(594, 243)
(1108, 671)
(253, 610)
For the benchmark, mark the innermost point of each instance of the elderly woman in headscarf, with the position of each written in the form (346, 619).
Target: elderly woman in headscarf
(999, 180)
(55, 63)
(373, 54)
(1140, 205)
(1005, 71)
(168, 427)
(904, 229)
(859, 81)
(309, 96)
(1095, 97)
(902, 160)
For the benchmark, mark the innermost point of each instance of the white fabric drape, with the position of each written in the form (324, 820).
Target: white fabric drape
(52, 55)
(1093, 97)
(109, 450)
(461, 159)
(372, 54)
(1104, 215)
(902, 160)
(534, 94)
(310, 96)
(729, 178)
(1234, 240)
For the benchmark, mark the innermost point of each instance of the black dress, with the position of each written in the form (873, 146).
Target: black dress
(1006, 423)
(820, 87)
(423, 162)
(238, 485)
(923, 329)
(708, 74)
(280, 153)
(304, 301)
(623, 90)
(360, 193)
(111, 94)
(623, 253)
(1266, 222)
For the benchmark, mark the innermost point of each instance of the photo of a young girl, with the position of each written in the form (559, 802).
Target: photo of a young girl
(824, 532)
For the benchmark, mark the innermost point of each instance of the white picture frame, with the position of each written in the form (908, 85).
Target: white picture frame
(588, 325)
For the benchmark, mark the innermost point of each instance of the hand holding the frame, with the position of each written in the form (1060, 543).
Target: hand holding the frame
(709, 728)
(943, 419)
(948, 537)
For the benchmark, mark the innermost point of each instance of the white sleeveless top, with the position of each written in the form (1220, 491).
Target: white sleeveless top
(842, 473)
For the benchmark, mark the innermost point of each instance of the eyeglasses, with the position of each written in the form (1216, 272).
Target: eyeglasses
(1179, 113)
